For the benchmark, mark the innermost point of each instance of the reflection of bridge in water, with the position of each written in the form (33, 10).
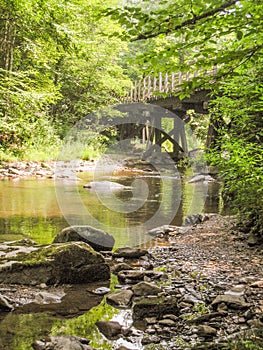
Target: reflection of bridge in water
(162, 91)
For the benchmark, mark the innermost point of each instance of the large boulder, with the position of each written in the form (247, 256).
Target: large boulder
(73, 263)
(97, 239)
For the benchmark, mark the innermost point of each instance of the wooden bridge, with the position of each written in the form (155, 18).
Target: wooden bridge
(163, 91)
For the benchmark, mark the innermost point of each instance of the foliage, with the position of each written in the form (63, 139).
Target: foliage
(56, 65)
(239, 152)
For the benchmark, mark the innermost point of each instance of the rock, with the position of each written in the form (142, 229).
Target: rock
(201, 178)
(234, 301)
(120, 267)
(48, 298)
(167, 322)
(252, 239)
(73, 262)
(257, 284)
(4, 305)
(101, 291)
(162, 230)
(155, 307)
(97, 239)
(193, 219)
(152, 339)
(145, 288)
(111, 329)
(62, 342)
(206, 331)
(105, 186)
(120, 299)
(133, 276)
(130, 253)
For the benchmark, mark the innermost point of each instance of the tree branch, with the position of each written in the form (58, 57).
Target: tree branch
(188, 22)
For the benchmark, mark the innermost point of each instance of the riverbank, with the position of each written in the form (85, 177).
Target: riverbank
(24, 169)
(197, 288)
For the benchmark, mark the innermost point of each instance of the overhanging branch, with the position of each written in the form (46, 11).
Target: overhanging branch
(191, 21)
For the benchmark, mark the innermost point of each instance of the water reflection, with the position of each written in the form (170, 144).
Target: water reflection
(29, 208)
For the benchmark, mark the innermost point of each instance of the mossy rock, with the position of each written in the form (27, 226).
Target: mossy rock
(74, 262)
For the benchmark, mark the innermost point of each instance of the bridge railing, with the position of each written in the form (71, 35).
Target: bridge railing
(151, 87)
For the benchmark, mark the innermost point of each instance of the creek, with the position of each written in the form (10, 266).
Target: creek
(36, 209)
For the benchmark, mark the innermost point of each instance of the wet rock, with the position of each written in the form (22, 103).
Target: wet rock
(101, 290)
(4, 305)
(63, 342)
(206, 331)
(146, 288)
(234, 301)
(73, 263)
(130, 253)
(120, 267)
(97, 239)
(154, 307)
(105, 186)
(48, 298)
(120, 299)
(111, 329)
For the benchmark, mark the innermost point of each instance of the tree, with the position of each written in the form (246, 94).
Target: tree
(56, 65)
(199, 35)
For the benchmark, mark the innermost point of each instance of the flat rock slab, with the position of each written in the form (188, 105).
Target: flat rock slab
(130, 253)
(155, 307)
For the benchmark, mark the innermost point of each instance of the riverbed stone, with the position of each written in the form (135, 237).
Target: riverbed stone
(234, 301)
(97, 239)
(62, 342)
(206, 331)
(154, 307)
(111, 329)
(120, 298)
(4, 305)
(120, 267)
(130, 253)
(146, 288)
(73, 262)
(134, 276)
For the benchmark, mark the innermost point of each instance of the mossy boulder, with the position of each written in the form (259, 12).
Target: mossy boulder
(73, 263)
(97, 239)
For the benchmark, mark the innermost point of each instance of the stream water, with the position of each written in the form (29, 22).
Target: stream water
(36, 209)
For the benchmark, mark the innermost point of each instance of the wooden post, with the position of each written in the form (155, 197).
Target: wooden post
(172, 82)
(149, 88)
(160, 82)
(144, 89)
(166, 83)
